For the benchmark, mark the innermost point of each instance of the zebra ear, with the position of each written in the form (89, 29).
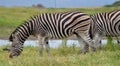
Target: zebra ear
(11, 37)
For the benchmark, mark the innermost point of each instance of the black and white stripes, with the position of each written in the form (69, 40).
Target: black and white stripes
(105, 24)
(52, 26)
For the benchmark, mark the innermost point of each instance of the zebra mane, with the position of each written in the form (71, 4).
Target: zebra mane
(11, 36)
(15, 31)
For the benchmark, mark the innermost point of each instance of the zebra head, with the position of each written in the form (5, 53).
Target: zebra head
(16, 46)
(18, 37)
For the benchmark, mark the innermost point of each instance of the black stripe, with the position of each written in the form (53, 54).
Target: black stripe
(52, 24)
(43, 23)
(82, 26)
(117, 29)
(81, 21)
(78, 23)
(116, 15)
(75, 19)
(46, 24)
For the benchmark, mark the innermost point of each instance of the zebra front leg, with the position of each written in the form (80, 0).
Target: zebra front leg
(97, 40)
(40, 43)
(41, 49)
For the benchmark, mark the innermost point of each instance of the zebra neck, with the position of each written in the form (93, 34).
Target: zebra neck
(23, 38)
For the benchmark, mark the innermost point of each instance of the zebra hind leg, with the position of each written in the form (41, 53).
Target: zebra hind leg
(85, 48)
(88, 40)
(83, 45)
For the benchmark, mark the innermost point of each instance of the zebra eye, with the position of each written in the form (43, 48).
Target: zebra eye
(13, 45)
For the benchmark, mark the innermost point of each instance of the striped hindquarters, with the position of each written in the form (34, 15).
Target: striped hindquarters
(61, 25)
(108, 23)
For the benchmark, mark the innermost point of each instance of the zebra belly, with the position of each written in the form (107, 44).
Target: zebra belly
(53, 36)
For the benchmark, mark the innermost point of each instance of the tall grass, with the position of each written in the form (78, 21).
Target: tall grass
(111, 45)
(63, 56)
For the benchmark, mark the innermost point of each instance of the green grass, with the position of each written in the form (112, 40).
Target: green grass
(67, 56)
(11, 17)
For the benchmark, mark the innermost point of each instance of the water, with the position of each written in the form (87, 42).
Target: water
(53, 43)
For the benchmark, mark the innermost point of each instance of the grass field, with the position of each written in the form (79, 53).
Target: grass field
(11, 17)
(67, 56)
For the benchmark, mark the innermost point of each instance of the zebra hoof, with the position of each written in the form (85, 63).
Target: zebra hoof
(10, 56)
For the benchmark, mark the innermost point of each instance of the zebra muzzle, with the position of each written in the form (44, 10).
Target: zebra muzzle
(11, 55)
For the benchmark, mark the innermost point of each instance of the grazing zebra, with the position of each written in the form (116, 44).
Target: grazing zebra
(105, 24)
(52, 26)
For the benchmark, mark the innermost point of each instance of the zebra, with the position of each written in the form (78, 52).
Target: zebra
(105, 24)
(47, 26)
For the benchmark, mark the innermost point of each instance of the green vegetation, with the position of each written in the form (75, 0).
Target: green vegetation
(11, 17)
(115, 4)
(67, 56)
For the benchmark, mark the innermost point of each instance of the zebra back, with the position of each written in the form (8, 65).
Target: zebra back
(108, 23)
(52, 26)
